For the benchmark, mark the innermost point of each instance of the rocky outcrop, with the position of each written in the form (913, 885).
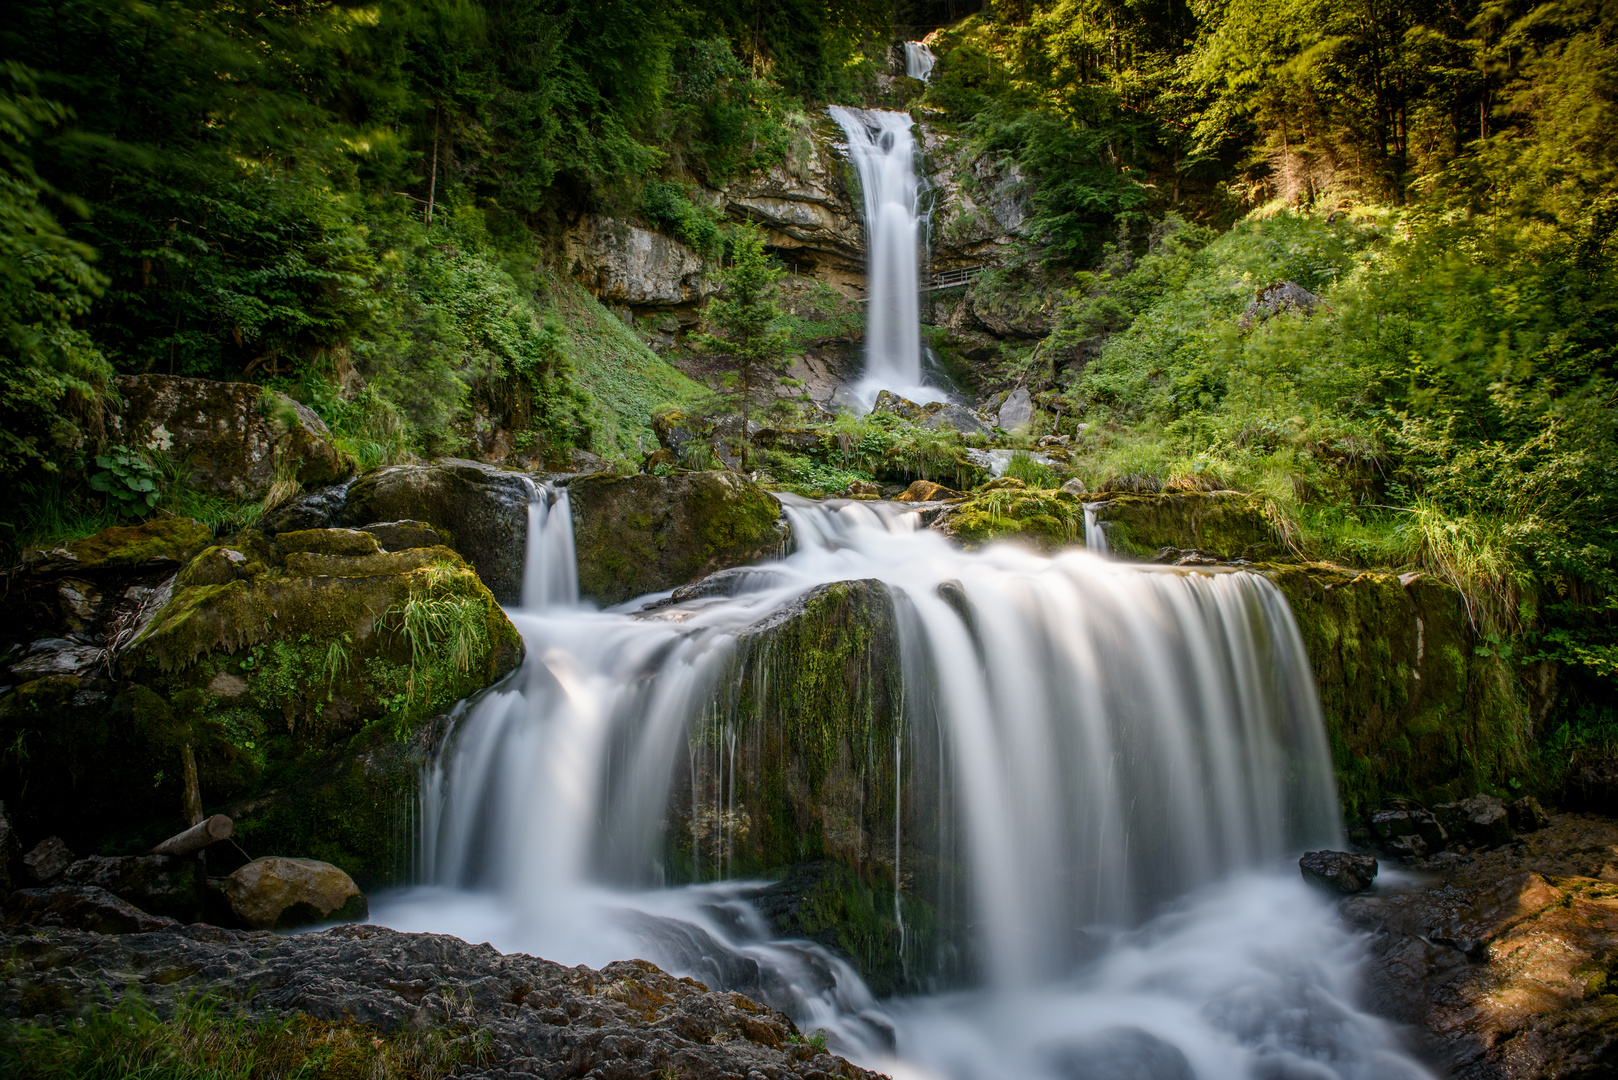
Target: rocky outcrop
(624, 264)
(532, 1017)
(1226, 525)
(1340, 872)
(643, 534)
(1504, 960)
(1411, 706)
(277, 893)
(81, 907)
(233, 438)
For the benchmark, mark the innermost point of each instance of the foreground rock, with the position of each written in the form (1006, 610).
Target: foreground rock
(1339, 871)
(1507, 961)
(644, 534)
(276, 893)
(628, 1020)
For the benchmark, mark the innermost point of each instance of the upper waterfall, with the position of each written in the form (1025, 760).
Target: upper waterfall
(919, 60)
(883, 150)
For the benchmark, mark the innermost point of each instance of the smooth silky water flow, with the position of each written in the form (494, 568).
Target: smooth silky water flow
(883, 150)
(1134, 756)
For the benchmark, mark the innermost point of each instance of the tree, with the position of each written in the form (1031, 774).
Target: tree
(747, 319)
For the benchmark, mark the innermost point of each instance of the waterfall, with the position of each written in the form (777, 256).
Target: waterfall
(1095, 537)
(550, 570)
(919, 60)
(1131, 757)
(883, 151)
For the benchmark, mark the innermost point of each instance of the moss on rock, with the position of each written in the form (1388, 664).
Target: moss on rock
(162, 543)
(1227, 524)
(642, 534)
(1412, 707)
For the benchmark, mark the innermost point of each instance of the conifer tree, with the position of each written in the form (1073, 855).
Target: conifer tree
(746, 317)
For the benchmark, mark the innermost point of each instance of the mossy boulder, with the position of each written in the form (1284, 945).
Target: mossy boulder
(300, 680)
(160, 544)
(643, 534)
(1225, 524)
(808, 771)
(1412, 706)
(1007, 510)
(480, 511)
(234, 438)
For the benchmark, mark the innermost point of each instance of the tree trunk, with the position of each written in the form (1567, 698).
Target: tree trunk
(193, 791)
(432, 185)
(197, 837)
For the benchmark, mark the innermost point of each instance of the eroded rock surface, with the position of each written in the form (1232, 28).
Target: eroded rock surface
(539, 1019)
(1506, 960)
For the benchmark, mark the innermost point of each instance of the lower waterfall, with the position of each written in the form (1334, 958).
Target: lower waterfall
(1127, 761)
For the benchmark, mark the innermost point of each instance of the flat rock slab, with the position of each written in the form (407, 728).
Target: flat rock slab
(629, 1019)
(1507, 960)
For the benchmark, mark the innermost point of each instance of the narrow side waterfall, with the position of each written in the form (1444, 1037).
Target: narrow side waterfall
(1121, 761)
(919, 60)
(883, 150)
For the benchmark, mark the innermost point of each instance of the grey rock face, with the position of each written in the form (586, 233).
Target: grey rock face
(539, 1019)
(1017, 411)
(1340, 871)
(959, 418)
(1275, 299)
(625, 264)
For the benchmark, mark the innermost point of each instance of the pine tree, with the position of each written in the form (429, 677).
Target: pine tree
(746, 318)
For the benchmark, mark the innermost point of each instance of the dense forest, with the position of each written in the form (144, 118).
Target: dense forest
(360, 204)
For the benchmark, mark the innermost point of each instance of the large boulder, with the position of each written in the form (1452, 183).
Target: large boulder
(643, 534)
(481, 512)
(276, 893)
(235, 438)
(1340, 872)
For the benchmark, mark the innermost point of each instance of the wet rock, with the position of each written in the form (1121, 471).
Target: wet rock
(312, 510)
(1503, 960)
(48, 858)
(1339, 871)
(80, 907)
(641, 534)
(1406, 818)
(1017, 411)
(481, 511)
(275, 893)
(230, 435)
(1409, 846)
(55, 657)
(1486, 820)
(532, 1017)
(346, 542)
(156, 884)
(1526, 815)
(959, 418)
(403, 535)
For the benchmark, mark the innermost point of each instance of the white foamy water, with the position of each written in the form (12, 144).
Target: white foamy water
(919, 60)
(1134, 755)
(883, 151)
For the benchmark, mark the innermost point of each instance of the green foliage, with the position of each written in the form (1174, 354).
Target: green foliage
(669, 207)
(53, 379)
(128, 481)
(200, 1041)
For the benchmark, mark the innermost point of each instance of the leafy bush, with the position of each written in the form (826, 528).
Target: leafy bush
(128, 481)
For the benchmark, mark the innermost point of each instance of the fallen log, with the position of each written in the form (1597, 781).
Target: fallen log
(197, 837)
